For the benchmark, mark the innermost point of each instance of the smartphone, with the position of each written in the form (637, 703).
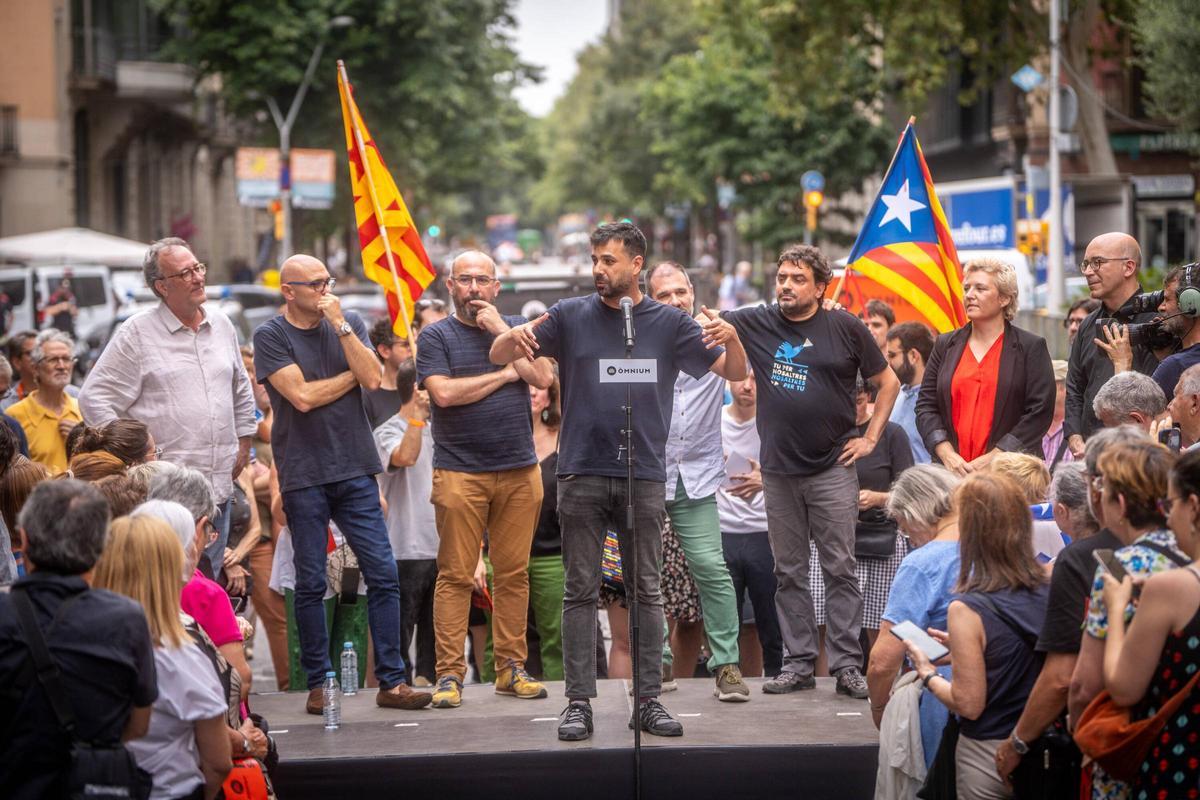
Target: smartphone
(1109, 562)
(932, 648)
(1171, 439)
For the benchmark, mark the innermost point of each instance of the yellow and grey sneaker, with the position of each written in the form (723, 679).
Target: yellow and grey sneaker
(730, 686)
(514, 681)
(448, 693)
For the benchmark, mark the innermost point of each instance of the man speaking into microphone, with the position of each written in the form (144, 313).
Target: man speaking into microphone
(589, 337)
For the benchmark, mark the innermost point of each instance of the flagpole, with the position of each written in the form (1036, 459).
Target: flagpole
(383, 232)
(912, 120)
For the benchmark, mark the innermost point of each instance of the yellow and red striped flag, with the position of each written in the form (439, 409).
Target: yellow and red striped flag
(392, 253)
(904, 250)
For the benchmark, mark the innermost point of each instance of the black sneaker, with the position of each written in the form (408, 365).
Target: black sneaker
(657, 720)
(851, 682)
(788, 681)
(575, 722)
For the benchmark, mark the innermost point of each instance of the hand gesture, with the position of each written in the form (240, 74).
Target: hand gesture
(1116, 344)
(1117, 595)
(856, 448)
(1163, 423)
(236, 579)
(422, 405)
(919, 660)
(952, 461)
(869, 499)
(749, 483)
(65, 426)
(525, 337)
(829, 304)
(716, 330)
(487, 317)
(257, 739)
(331, 309)
(480, 576)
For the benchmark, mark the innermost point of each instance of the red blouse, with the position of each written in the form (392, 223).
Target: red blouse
(973, 399)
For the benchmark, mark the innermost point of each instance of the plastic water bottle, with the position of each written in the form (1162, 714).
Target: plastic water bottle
(349, 669)
(332, 706)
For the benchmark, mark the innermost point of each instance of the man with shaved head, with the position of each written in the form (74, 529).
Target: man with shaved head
(1110, 264)
(485, 475)
(177, 368)
(315, 360)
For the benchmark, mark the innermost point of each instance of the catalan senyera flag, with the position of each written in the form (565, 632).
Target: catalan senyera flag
(904, 249)
(383, 220)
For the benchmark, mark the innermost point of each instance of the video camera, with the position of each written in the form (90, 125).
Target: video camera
(1151, 335)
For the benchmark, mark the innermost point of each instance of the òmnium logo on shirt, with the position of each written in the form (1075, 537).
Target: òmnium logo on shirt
(786, 373)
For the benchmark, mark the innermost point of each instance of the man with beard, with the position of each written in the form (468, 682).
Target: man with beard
(48, 413)
(806, 360)
(485, 476)
(383, 403)
(1181, 325)
(585, 334)
(908, 347)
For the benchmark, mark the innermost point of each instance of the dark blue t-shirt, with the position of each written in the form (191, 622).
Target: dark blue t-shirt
(1167, 373)
(582, 330)
(805, 374)
(328, 444)
(489, 435)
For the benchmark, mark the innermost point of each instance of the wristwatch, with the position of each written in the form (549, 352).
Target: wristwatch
(245, 744)
(925, 681)
(1018, 745)
(344, 329)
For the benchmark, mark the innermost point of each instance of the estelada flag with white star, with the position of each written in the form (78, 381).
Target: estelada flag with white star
(392, 253)
(904, 247)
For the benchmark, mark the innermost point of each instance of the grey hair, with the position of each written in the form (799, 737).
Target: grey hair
(175, 515)
(6, 371)
(488, 258)
(150, 268)
(1069, 486)
(189, 488)
(1129, 392)
(66, 526)
(142, 474)
(922, 495)
(1189, 380)
(47, 336)
(1105, 438)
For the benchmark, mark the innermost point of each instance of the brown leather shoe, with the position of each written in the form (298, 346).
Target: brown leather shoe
(403, 697)
(316, 701)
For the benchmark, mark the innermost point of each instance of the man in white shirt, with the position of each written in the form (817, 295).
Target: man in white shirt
(177, 368)
(695, 468)
(743, 514)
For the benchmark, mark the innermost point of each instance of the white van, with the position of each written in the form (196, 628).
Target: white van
(28, 287)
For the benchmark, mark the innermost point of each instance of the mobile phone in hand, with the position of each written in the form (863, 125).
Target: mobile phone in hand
(932, 648)
(1106, 559)
(1171, 438)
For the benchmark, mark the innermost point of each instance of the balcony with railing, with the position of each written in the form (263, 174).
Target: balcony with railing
(118, 43)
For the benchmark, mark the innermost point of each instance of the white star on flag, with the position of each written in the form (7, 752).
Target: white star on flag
(900, 206)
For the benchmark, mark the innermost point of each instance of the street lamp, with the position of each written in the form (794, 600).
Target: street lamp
(284, 125)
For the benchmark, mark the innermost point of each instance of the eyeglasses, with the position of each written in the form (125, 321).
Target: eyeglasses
(483, 281)
(1165, 504)
(1094, 263)
(56, 361)
(189, 273)
(316, 286)
(158, 453)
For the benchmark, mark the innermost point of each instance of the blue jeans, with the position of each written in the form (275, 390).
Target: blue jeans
(215, 552)
(354, 505)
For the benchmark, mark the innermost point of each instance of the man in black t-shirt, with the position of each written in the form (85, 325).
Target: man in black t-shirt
(313, 359)
(382, 404)
(806, 360)
(99, 641)
(485, 475)
(585, 334)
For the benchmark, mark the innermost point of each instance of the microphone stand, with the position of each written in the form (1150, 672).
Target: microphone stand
(631, 585)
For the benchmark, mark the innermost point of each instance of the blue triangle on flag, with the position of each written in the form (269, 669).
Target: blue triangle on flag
(901, 211)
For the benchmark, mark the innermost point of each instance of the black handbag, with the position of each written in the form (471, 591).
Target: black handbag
(97, 769)
(1051, 769)
(874, 534)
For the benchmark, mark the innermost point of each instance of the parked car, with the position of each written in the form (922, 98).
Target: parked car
(28, 288)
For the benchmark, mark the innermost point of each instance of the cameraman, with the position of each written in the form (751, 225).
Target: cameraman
(1110, 265)
(1183, 326)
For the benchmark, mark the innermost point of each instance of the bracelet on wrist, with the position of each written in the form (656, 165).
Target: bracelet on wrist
(925, 681)
(416, 423)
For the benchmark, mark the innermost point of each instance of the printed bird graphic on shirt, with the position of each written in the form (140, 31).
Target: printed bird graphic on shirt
(787, 351)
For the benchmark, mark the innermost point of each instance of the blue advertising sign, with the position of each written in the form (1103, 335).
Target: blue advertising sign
(980, 219)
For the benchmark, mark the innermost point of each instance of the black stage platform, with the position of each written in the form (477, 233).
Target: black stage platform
(811, 745)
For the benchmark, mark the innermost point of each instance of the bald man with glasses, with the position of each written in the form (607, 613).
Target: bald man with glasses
(177, 368)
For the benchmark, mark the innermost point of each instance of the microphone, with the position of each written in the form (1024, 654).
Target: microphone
(627, 311)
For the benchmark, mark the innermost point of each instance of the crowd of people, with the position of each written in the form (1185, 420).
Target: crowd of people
(918, 516)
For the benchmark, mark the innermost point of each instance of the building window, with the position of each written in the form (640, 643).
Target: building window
(83, 166)
(8, 130)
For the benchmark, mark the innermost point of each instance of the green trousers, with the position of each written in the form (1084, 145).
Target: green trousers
(345, 624)
(699, 530)
(546, 590)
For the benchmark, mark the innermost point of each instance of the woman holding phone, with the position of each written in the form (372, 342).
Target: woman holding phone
(993, 625)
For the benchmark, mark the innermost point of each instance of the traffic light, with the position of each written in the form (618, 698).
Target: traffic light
(434, 231)
(814, 198)
(275, 209)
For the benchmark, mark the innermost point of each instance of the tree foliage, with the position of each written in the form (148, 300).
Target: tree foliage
(434, 81)
(1168, 36)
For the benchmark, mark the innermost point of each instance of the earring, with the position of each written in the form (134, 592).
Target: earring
(545, 415)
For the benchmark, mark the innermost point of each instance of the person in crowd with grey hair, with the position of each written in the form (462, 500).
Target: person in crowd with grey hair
(102, 647)
(921, 503)
(202, 598)
(7, 392)
(1184, 408)
(177, 368)
(48, 413)
(1129, 398)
